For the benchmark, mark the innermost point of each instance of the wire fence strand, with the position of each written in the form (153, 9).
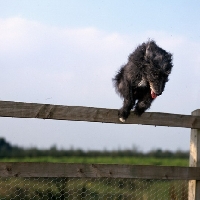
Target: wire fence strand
(92, 189)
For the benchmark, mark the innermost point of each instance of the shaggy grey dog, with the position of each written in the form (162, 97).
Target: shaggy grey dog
(143, 78)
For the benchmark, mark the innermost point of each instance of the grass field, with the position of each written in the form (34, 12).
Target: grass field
(105, 160)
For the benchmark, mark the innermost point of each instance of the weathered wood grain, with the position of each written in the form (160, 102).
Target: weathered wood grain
(194, 185)
(79, 113)
(98, 171)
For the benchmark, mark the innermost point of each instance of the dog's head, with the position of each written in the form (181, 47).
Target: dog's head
(158, 67)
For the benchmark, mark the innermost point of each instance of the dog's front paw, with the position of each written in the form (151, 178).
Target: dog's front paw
(138, 112)
(122, 119)
(122, 115)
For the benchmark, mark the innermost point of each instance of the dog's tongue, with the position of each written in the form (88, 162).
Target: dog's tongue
(153, 95)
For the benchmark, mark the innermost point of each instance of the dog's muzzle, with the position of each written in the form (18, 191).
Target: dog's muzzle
(154, 94)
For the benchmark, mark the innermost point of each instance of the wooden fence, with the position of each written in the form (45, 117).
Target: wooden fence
(78, 113)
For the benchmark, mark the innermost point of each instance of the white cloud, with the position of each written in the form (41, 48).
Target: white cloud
(38, 56)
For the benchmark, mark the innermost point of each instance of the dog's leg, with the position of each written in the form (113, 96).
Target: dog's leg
(124, 112)
(143, 104)
(128, 104)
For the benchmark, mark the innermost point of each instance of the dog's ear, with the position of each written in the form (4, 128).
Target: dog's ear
(148, 53)
(150, 50)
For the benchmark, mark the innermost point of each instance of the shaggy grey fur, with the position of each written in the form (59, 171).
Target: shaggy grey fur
(143, 78)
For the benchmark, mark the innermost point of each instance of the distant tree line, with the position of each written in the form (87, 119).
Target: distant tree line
(10, 151)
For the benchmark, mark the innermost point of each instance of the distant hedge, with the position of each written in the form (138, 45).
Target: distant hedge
(9, 151)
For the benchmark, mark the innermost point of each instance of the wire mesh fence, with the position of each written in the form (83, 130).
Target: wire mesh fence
(92, 189)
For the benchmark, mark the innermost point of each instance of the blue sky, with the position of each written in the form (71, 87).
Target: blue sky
(114, 15)
(66, 52)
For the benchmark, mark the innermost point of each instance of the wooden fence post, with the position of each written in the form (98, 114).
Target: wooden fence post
(194, 185)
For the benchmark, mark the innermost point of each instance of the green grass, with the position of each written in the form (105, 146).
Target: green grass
(105, 160)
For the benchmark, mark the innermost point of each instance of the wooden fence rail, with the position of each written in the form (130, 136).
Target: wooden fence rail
(79, 113)
(98, 171)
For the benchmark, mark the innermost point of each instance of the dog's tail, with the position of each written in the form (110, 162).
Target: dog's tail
(118, 80)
